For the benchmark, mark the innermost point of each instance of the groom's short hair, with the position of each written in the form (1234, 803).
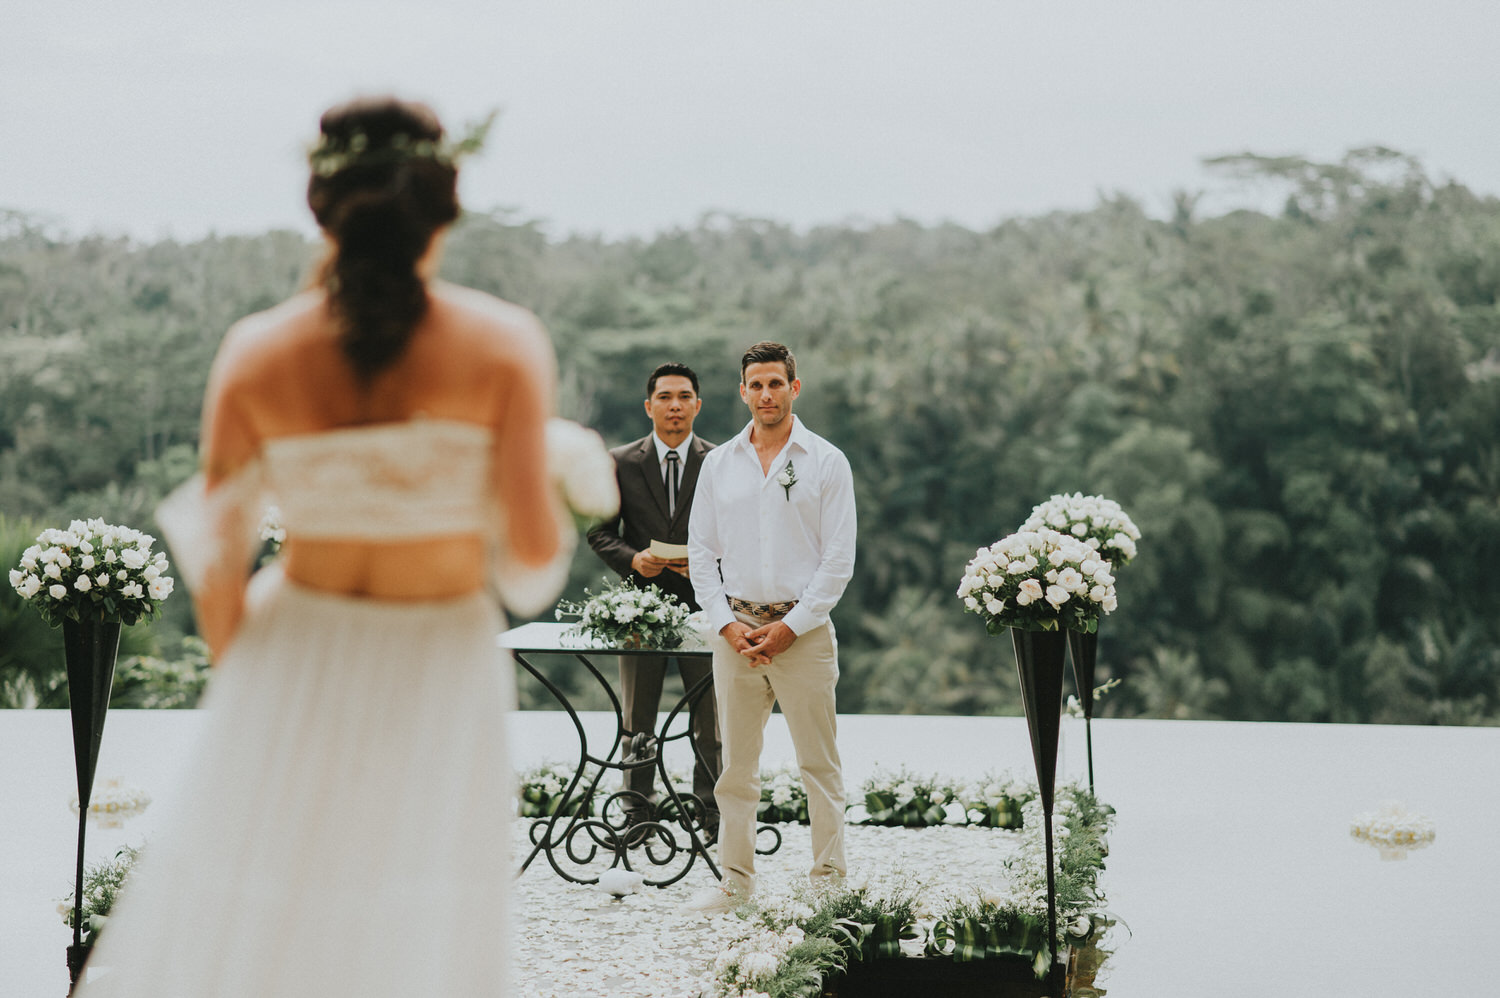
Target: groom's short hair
(767, 352)
(668, 370)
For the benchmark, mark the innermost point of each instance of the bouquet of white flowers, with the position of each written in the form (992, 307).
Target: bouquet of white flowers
(582, 471)
(1098, 522)
(621, 615)
(1038, 580)
(92, 570)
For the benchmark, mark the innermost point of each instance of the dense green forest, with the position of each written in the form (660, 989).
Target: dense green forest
(1299, 409)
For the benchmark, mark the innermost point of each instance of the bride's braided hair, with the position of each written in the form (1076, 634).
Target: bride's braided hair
(380, 189)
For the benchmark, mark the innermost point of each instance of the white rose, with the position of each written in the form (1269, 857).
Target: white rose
(1098, 594)
(84, 584)
(16, 575)
(52, 571)
(971, 602)
(122, 575)
(995, 581)
(57, 591)
(1103, 578)
(110, 557)
(133, 558)
(1057, 595)
(102, 580)
(132, 590)
(31, 586)
(1051, 575)
(1079, 529)
(28, 560)
(160, 588)
(994, 606)
(1070, 580)
(151, 572)
(86, 562)
(63, 559)
(1031, 589)
(86, 547)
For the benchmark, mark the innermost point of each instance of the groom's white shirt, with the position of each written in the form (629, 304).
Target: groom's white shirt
(751, 538)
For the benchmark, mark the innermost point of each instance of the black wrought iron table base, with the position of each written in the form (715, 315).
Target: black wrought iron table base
(662, 839)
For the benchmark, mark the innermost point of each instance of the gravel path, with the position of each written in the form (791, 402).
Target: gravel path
(575, 941)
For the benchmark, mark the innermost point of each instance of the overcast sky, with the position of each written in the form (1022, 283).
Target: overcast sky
(180, 117)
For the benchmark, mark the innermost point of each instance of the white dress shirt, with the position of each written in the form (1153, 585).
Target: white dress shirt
(750, 538)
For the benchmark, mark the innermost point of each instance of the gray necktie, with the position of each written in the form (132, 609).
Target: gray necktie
(674, 469)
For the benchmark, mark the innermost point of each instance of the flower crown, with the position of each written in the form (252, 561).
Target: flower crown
(332, 154)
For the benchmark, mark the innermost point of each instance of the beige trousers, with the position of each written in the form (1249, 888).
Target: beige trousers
(801, 679)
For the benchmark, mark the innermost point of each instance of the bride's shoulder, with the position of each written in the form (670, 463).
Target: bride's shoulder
(488, 323)
(259, 337)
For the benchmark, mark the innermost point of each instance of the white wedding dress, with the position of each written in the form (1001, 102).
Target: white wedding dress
(350, 804)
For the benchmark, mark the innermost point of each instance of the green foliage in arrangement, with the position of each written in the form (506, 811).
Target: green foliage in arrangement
(1298, 410)
(102, 884)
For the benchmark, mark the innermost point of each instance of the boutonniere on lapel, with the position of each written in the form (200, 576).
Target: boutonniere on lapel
(787, 479)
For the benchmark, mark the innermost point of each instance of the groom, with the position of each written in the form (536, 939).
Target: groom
(771, 548)
(657, 475)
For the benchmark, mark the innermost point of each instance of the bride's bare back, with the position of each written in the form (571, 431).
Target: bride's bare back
(472, 358)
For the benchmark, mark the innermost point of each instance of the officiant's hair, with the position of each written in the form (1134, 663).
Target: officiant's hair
(767, 352)
(668, 370)
(381, 200)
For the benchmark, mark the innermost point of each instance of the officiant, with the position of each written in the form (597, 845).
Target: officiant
(657, 475)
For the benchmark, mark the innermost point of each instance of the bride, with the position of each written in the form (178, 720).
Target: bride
(344, 827)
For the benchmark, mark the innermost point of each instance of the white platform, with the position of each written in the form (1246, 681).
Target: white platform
(1231, 861)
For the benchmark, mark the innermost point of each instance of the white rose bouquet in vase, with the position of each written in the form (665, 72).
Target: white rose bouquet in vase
(1041, 584)
(90, 579)
(1108, 530)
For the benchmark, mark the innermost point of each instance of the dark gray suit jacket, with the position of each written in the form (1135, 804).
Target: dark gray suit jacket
(643, 513)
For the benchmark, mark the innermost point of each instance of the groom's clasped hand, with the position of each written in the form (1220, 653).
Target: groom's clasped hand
(760, 644)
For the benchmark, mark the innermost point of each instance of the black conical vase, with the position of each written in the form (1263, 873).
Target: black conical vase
(90, 647)
(1040, 657)
(1084, 649)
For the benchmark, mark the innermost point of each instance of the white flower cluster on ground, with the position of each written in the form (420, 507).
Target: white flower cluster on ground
(112, 803)
(1393, 827)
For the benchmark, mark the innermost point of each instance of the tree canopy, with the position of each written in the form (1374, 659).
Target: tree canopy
(1299, 410)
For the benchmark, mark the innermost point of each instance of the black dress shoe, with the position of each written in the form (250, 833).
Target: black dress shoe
(636, 829)
(710, 831)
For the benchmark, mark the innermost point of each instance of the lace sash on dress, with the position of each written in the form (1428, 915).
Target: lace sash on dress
(389, 481)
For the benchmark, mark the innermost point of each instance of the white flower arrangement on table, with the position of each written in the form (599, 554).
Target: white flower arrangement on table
(1393, 830)
(113, 803)
(623, 616)
(93, 570)
(1098, 522)
(1038, 580)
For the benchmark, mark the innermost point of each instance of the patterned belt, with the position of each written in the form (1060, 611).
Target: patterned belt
(762, 611)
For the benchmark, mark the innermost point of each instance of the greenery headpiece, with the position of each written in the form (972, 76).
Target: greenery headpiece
(334, 153)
